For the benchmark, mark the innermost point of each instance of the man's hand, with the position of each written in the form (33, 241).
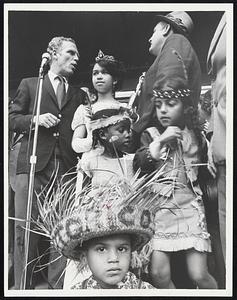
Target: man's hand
(47, 120)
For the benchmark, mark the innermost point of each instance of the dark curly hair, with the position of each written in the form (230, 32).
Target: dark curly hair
(191, 118)
(115, 68)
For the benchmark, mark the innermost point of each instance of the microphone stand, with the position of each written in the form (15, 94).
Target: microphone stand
(33, 160)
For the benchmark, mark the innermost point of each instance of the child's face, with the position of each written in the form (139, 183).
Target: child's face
(170, 112)
(101, 79)
(122, 133)
(109, 259)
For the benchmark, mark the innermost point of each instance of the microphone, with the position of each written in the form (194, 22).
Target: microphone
(45, 58)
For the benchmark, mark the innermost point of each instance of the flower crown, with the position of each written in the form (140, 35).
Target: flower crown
(101, 56)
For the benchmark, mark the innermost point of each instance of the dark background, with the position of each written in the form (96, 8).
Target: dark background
(122, 34)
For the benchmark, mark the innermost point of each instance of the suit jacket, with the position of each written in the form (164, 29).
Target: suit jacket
(165, 59)
(216, 65)
(20, 118)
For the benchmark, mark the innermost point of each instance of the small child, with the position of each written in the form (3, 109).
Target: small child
(102, 228)
(176, 144)
(111, 131)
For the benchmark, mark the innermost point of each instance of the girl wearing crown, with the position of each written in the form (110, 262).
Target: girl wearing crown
(176, 144)
(106, 79)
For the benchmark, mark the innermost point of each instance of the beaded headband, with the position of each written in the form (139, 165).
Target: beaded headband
(180, 93)
(101, 56)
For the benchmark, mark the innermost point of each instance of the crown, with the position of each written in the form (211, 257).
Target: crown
(101, 56)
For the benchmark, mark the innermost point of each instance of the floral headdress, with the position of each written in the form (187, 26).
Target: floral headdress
(111, 115)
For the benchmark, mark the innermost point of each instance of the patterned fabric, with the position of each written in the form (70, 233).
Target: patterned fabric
(181, 93)
(130, 281)
(180, 221)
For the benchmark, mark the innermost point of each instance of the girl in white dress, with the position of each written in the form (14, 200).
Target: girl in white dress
(106, 161)
(106, 79)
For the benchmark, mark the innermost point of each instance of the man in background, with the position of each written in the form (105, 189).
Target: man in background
(170, 45)
(216, 64)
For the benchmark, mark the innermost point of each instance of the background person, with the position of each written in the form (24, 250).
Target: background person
(216, 64)
(171, 33)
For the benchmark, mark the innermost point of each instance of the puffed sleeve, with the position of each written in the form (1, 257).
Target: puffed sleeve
(79, 117)
(81, 144)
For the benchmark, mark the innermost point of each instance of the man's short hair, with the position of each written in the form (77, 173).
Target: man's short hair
(56, 43)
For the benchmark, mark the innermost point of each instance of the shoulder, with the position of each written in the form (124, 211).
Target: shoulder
(178, 39)
(138, 283)
(82, 285)
(80, 110)
(179, 43)
(28, 81)
(89, 159)
(79, 117)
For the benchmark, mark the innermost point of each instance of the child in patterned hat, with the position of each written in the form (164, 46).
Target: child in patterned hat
(102, 229)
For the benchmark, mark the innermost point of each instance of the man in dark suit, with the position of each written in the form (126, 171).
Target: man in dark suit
(59, 102)
(169, 43)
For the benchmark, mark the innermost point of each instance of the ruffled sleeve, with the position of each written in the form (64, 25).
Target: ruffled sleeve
(81, 144)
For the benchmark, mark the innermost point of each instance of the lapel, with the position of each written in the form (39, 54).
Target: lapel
(215, 40)
(68, 97)
(49, 88)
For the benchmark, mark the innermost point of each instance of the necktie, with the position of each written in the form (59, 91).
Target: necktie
(61, 91)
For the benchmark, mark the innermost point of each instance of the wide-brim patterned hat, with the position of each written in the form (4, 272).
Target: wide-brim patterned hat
(84, 225)
(69, 218)
(179, 20)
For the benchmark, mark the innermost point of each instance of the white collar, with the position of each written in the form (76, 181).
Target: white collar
(52, 76)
